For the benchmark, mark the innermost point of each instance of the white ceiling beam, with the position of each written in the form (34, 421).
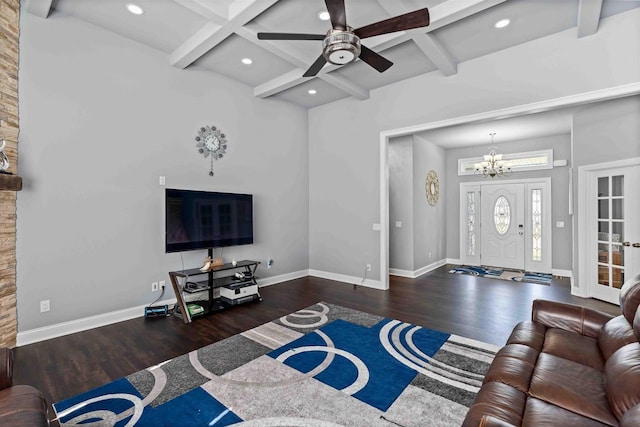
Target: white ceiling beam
(440, 57)
(443, 14)
(451, 11)
(40, 8)
(211, 12)
(588, 17)
(345, 85)
(297, 60)
(211, 34)
(280, 84)
(429, 46)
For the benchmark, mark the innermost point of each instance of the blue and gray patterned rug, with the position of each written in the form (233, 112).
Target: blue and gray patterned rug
(323, 366)
(498, 273)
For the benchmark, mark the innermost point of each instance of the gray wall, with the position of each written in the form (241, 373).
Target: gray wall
(561, 145)
(401, 182)
(604, 132)
(344, 136)
(429, 221)
(101, 119)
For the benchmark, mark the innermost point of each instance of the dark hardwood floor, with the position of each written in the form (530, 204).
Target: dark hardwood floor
(479, 308)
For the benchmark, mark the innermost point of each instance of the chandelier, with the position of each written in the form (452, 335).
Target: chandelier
(493, 165)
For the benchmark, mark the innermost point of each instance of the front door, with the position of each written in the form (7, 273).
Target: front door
(503, 227)
(614, 230)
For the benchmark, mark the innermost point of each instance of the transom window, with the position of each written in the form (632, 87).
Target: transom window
(529, 161)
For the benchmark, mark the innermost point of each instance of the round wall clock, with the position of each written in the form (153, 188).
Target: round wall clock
(432, 187)
(211, 142)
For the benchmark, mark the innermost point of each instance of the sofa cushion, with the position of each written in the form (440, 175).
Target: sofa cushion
(574, 347)
(630, 298)
(540, 413)
(573, 318)
(498, 400)
(622, 379)
(572, 386)
(22, 405)
(615, 334)
(528, 333)
(513, 365)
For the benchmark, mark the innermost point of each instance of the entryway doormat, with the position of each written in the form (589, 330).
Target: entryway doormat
(323, 366)
(499, 273)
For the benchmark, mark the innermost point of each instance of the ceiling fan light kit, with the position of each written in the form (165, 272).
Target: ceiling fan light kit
(341, 44)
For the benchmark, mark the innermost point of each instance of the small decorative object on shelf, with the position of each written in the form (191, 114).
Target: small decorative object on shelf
(234, 262)
(4, 161)
(211, 141)
(210, 263)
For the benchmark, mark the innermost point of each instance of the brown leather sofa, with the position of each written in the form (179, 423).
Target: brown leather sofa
(568, 366)
(20, 405)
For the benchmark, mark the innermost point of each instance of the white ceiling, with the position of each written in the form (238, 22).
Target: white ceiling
(215, 35)
(530, 126)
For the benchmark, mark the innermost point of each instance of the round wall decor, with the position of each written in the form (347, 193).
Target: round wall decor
(432, 187)
(211, 141)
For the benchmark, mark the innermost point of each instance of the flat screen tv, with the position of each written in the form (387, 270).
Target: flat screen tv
(204, 220)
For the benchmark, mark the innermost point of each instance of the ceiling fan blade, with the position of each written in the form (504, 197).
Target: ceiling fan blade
(408, 21)
(374, 59)
(315, 67)
(337, 13)
(290, 36)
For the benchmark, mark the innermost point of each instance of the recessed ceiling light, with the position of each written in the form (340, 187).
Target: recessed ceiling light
(247, 61)
(135, 9)
(324, 15)
(502, 23)
(312, 91)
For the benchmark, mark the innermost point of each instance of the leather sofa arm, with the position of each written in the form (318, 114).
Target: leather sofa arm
(489, 421)
(6, 368)
(572, 318)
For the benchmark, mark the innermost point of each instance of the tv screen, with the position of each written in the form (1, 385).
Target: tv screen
(203, 219)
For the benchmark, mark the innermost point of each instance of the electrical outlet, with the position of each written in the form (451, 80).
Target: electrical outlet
(45, 305)
(368, 267)
(161, 283)
(429, 255)
(154, 287)
(162, 180)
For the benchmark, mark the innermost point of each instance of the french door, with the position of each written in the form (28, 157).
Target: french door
(614, 230)
(506, 224)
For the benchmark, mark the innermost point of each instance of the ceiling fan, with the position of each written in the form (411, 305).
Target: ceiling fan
(341, 44)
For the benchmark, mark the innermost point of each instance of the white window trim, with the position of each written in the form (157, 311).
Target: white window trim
(512, 156)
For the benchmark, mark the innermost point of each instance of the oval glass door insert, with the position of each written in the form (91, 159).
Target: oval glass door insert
(502, 215)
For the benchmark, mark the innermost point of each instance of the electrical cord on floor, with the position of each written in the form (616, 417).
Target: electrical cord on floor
(158, 299)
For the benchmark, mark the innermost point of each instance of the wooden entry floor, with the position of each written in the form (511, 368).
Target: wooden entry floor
(480, 308)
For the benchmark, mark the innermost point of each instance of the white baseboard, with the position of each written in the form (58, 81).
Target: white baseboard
(53, 331)
(453, 261)
(375, 284)
(65, 328)
(562, 273)
(419, 272)
(268, 281)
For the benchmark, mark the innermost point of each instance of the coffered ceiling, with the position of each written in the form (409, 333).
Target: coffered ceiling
(215, 35)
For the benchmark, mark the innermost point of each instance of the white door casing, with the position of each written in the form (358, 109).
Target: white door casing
(529, 205)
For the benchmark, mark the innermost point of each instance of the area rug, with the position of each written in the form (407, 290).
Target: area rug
(498, 273)
(323, 366)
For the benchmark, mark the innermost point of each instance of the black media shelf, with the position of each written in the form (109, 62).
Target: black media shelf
(213, 281)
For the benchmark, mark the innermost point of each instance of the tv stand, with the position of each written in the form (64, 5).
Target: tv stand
(213, 303)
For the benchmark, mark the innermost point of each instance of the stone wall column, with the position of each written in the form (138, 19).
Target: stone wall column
(9, 56)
